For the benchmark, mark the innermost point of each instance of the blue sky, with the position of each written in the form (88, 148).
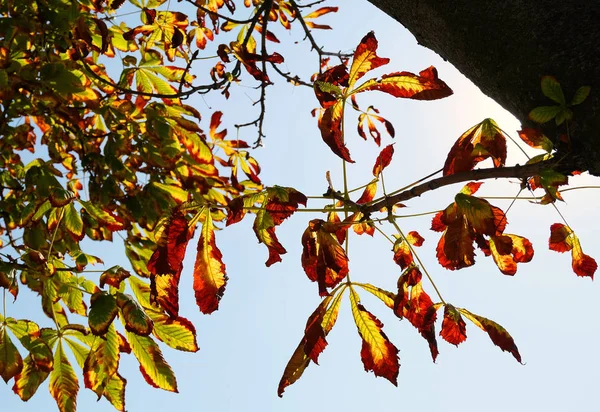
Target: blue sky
(244, 347)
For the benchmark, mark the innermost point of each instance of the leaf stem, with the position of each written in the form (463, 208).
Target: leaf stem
(62, 212)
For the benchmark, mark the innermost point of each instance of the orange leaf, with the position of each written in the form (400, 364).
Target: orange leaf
(378, 354)
(368, 194)
(425, 86)
(562, 238)
(209, 270)
(323, 259)
(365, 59)
(454, 330)
(482, 141)
(508, 249)
(536, 139)
(415, 238)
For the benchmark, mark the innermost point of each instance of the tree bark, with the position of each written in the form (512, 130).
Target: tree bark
(505, 47)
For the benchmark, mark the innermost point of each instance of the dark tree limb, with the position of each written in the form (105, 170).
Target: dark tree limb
(504, 47)
(520, 172)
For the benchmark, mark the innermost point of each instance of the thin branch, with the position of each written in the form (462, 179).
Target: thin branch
(517, 171)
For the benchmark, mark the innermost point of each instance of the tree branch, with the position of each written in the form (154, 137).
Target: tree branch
(517, 171)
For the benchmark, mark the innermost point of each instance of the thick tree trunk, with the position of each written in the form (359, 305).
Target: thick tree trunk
(504, 47)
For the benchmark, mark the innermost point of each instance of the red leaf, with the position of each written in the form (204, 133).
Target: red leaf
(166, 263)
(562, 238)
(383, 160)
(313, 342)
(331, 132)
(414, 304)
(454, 330)
(323, 259)
(499, 336)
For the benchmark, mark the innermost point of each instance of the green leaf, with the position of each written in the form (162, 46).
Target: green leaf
(102, 312)
(175, 192)
(73, 221)
(133, 315)
(551, 89)
(153, 366)
(564, 114)
(29, 380)
(63, 382)
(11, 362)
(543, 114)
(580, 95)
(102, 362)
(178, 333)
(115, 392)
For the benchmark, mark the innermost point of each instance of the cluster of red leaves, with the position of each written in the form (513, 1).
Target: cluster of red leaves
(275, 205)
(338, 84)
(469, 220)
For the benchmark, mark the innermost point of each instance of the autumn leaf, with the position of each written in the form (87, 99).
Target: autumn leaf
(276, 204)
(385, 296)
(63, 381)
(402, 254)
(11, 362)
(209, 270)
(318, 13)
(378, 354)
(318, 326)
(365, 59)
(536, 139)
(482, 141)
(368, 117)
(499, 336)
(113, 276)
(413, 303)
(368, 194)
(154, 368)
(178, 333)
(507, 250)
(134, 317)
(562, 239)
(323, 258)
(383, 160)
(464, 222)
(166, 263)
(424, 86)
(102, 362)
(336, 85)
(454, 329)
